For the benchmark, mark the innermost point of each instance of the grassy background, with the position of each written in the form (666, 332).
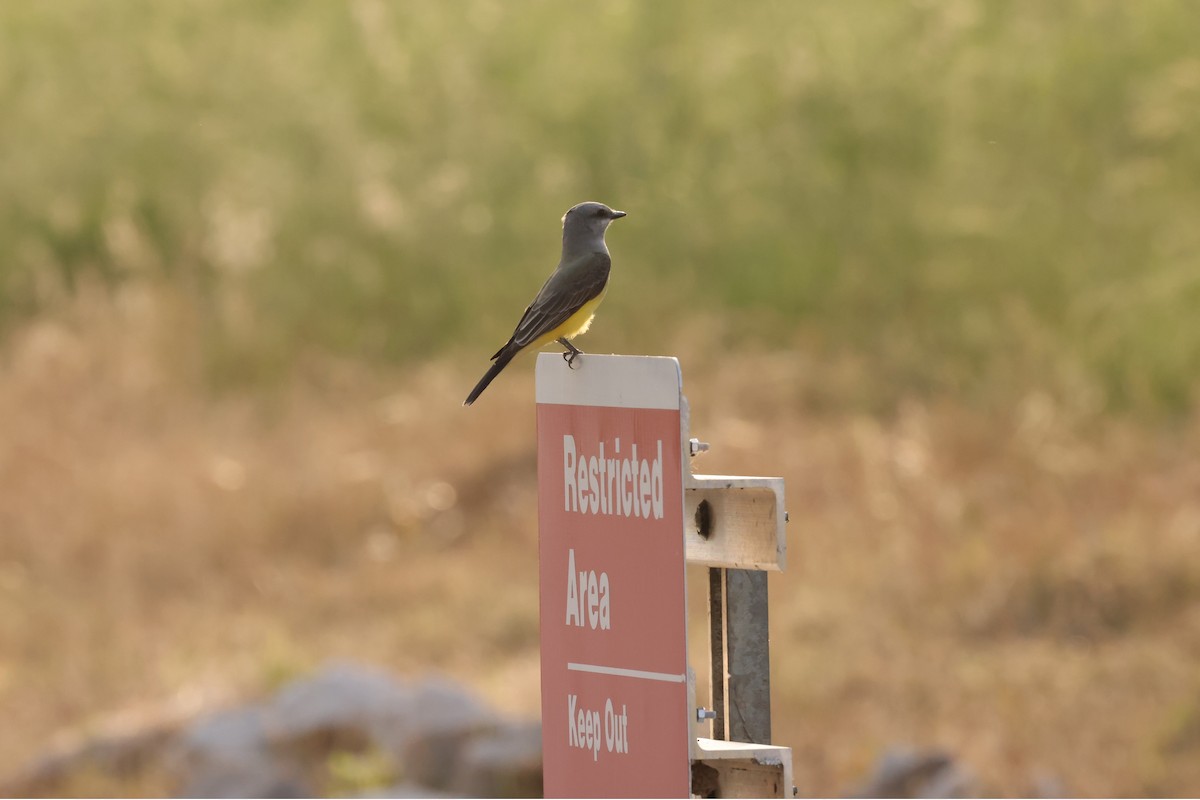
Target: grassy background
(967, 195)
(936, 264)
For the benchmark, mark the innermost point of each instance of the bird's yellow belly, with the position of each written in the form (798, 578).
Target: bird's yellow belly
(575, 324)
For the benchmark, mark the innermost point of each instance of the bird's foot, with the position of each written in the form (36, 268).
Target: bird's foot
(572, 353)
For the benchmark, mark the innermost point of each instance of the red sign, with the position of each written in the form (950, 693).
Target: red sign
(615, 705)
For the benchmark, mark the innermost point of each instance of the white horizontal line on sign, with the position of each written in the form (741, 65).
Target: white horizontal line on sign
(666, 677)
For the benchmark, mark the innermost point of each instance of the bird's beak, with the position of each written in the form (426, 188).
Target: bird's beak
(617, 214)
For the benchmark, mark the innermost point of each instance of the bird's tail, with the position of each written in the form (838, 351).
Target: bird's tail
(502, 358)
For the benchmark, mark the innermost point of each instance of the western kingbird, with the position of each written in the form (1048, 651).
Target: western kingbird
(564, 307)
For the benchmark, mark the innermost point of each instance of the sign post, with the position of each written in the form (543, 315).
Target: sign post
(620, 516)
(616, 696)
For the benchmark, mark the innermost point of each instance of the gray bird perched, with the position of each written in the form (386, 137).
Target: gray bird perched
(564, 307)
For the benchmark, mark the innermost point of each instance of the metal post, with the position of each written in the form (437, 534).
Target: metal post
(742, 683)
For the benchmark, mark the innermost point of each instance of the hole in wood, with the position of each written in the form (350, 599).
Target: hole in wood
(704, 519)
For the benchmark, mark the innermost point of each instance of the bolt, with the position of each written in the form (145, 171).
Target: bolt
(696, 447)
(705, 713)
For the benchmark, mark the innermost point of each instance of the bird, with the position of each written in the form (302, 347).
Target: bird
(567, 301)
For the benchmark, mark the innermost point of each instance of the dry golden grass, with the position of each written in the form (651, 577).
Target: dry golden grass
(1020, 586)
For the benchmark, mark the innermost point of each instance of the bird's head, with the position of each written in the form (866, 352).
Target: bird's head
(588, 219)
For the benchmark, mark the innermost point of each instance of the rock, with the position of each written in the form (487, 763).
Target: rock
(506, 762)
(951, 781)
(120, 755)
(342, 707)
(403, 790)
(244, 779)
(344, 729)
(444, 718)
(1046, 784)
(226, 754)
(908, 773)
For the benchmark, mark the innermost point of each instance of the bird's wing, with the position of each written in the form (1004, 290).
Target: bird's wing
(564, 293)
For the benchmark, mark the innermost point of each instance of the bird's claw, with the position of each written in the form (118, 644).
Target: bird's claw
(571, 352)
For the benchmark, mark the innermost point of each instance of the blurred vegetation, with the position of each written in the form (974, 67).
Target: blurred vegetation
(978, 216)
(960, 195)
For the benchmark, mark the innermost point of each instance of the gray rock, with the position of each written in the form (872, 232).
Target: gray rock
(247, 780)
(1046, 784)
(228, 734)
(443, 720)
(909, 773)
(433, 737)
(403, 790)
(120, 755)
(226, 754)
(951, 781)
(342, 707)
(506, 762)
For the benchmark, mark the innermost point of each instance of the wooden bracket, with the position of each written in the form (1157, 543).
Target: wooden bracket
(736, 769)
(735, 522)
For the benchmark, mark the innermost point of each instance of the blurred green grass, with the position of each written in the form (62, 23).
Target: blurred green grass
(965, 197)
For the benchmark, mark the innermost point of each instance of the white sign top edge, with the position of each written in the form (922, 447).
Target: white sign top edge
(613, 381)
